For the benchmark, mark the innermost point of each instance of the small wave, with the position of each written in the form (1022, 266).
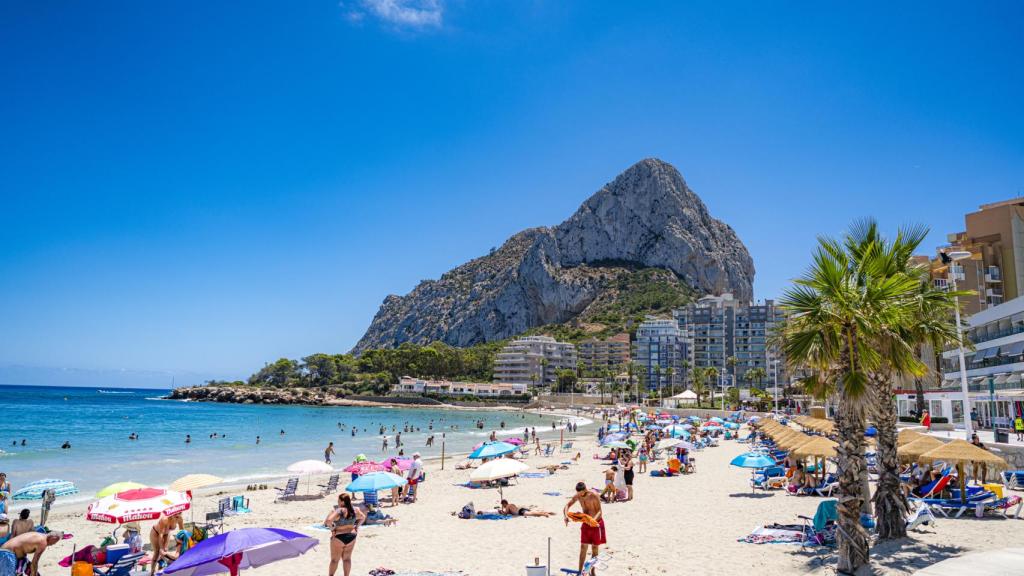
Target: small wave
(115, 392)
(157, 398)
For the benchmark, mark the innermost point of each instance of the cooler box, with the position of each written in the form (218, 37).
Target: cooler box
(997, 489)
(116, 551)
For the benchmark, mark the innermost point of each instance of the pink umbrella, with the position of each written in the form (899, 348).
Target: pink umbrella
(514, 440)
(138, 504)
(361, 468)
(403, 463)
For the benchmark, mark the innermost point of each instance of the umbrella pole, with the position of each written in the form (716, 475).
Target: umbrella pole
(442, 454)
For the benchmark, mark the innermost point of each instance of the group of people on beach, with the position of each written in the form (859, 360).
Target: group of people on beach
(21, 545)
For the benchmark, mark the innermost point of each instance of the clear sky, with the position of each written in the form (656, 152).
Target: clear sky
(205, 186)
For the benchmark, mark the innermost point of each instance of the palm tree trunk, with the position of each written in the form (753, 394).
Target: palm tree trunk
(891, 506)
(852, 538)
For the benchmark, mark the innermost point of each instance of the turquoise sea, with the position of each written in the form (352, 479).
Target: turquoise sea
(97, 423)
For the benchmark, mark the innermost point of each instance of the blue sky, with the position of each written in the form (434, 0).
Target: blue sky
(205, 186)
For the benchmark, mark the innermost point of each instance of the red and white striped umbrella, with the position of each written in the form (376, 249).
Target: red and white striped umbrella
(136, 505)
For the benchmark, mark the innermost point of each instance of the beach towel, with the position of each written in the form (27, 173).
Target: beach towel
(828, 511)
(765, 535)
(552, 493)
(85, 554)
(8, 563)
(534, 475)
(584, 518)
(490, 516)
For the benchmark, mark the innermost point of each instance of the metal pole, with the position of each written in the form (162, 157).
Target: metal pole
(968, 428)
(442, 454)
(775, 393)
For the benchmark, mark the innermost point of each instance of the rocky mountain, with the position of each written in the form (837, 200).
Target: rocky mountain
(646, 218)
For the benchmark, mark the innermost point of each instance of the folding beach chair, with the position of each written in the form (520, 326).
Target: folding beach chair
(288, 490)
(331, 486)
(566, 447)
(816, 529)
(922, 514)
(214, 523)
(224, 507)
(599, 562)
(122, 567)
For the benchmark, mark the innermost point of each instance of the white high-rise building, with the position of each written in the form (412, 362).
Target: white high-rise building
(533, 360)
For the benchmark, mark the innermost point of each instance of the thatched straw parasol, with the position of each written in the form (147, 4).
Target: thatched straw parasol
(793, 440)
(819, 447)
(961, 452)
(780, 432)
(911, 451)
(908, 436)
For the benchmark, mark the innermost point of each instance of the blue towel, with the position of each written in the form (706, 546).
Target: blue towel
(828, 510)
(491, 516)
(534, 475)
(552, 493)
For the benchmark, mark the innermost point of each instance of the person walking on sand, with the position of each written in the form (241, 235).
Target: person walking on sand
(328, 452)
(592, 533)
(344, 522)
(926, 420)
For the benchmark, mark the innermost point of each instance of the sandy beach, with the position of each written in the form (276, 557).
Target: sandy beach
(675, 525)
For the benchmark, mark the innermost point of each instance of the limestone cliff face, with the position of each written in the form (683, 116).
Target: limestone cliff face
(646, 217)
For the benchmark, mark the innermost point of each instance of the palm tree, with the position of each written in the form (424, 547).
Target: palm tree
(928, 321)
(730, 363)
(711, 373)
(699, 376)
(839, 310)
(685, 365)
(544, 372)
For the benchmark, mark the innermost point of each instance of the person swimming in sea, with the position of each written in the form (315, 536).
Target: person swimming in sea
(66, 446)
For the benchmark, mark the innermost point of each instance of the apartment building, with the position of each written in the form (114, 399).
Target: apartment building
(659, 350)
(533, 360)
(994, 236)
(597, 355)
(720, 327)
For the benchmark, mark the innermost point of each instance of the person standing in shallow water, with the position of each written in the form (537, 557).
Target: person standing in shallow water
(328, 452)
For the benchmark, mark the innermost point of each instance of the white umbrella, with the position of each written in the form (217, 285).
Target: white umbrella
(496, 470)
(667, 443)
(194, 482)
(307, 467)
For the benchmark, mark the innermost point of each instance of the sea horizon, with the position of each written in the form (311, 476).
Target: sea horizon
(97, 423)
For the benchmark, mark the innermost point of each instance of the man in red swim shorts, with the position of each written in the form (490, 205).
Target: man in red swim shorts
(590, 535)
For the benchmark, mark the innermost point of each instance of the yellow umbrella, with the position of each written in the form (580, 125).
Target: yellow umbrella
(194, 482)
(119, 487)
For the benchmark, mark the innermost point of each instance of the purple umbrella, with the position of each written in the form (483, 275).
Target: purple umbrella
(242, 548)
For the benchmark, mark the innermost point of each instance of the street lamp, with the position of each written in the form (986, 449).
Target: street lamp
(775, 394)
(949, 258)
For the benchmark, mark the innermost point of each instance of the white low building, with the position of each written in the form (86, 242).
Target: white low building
(410, 385)
(994, 369)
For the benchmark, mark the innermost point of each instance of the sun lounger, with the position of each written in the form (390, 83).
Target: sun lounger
(956, 506)
(1014, 479)
(289, 489)
(761, 478)
(1002, 507)
(123, 567)
(932, 488)
(566, 447)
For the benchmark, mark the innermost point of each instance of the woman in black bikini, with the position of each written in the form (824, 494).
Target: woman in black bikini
(344, 522)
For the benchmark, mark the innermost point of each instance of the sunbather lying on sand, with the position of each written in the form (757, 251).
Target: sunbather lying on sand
(511, 509)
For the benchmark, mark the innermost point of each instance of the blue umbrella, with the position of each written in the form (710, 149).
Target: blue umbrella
(376, 481)
(653, 427)
(752, 460)
(493, 450)
(34, 490)
(238, 549)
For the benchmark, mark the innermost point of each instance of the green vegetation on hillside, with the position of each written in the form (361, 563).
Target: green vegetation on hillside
(631, 294)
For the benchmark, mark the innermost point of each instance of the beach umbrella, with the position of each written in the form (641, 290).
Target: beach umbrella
(404, 464)
(516, 441)
(667, 443)
(138, 504)
(675, 430)
(195, 482)
(819, 447)
(376, 481)
(752, 460)
(118, 487)
(492, 450)
(907, 436)
(731, 425)
(361, 468)
(310, 467)
(497, 469)
(911, 451)
(361, 458)
(618, 444)
(716, 419)
(961, 452)
(240, 549)
(34, 490)
(654, 427)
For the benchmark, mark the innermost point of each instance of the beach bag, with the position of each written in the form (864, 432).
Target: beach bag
(81, 568)
(467, 512)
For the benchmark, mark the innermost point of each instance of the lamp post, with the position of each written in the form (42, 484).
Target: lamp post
(968, 425)
(775, 393)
